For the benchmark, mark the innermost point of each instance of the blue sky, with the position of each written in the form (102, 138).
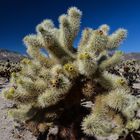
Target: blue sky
(19, 18)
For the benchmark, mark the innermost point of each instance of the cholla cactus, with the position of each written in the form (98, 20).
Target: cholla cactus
(49, 89)
(8, 67)
(130, 70)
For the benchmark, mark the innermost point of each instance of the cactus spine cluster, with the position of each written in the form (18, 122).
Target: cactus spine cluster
(50, 87)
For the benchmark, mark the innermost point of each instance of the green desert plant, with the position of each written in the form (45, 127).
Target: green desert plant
(129, 69)
(49, 89)
(8, 67)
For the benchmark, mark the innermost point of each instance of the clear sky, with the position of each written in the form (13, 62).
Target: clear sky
(19, 18)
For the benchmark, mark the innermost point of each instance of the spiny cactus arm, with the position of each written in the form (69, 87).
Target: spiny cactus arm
(52, 45)
(23, 91)
(86, 34)
(65, 39)
(87, 64)
(56, 69)
(129, 113)
(103, 121)
(115, 39)
(31, 69)
(105, 28)
(28, 86)
(48, 99)
(120, 100)
(133, 124)
(74, 16)
(111, 81)
(111, 61)
(92, 125)
(26, 83)
(20, 96)
(69, 27)
(116, 118)
(71, 70)
(36, 86)
(98, 41)
(131, 109)
(40, 85)
(58, 90)
(23, 113)
(47, 24)
(8, 93)
(102, 127)
(34, 44)
(35, 70)
(116, 99)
